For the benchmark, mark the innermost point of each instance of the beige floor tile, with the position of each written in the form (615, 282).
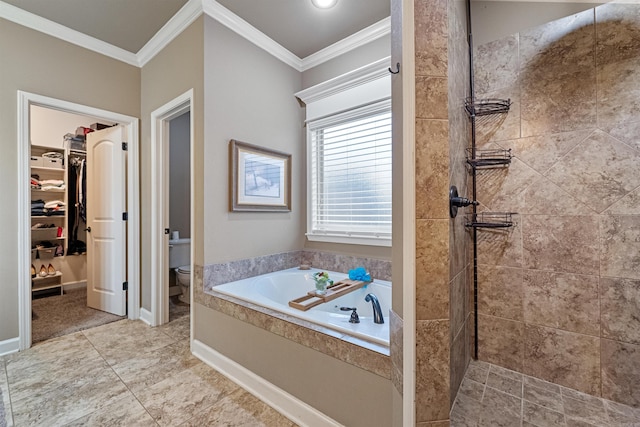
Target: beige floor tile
(70, 401)
(146, 369)
(508, 385)
(541, 416)
(239, 408)
(43, 379)
(6, 419)
(62, 350)
(465, 412)
(185, 394)
(543, 397)
(478, 371)
(472, 389)
(178, 329)
(121, 340)
(124, 412)
(579, 410)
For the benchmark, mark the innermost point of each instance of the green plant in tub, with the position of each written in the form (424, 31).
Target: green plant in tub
(322, 281)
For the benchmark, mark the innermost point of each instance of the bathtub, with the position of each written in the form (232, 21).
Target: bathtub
(275, 290)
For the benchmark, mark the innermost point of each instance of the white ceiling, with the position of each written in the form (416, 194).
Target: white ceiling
(295, 24)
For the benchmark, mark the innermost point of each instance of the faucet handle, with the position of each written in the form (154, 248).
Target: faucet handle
(354, 315)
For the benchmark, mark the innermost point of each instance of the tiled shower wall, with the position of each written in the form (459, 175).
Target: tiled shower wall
(559, 294)
(442, 345)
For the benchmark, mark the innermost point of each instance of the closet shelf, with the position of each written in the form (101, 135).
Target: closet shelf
(490, 220)
(487, 106)
(53, 190)
(42, 279)
(46, 217)
(45, 169)
(488, 158)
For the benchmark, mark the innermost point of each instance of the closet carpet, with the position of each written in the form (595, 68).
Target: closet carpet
(60, 315)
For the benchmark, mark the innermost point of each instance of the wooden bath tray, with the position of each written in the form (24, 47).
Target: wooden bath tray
(334, 291)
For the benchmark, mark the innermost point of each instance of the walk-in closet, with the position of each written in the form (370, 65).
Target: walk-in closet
(58, 168)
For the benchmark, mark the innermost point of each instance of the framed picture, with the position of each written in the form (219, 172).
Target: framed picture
(260, 179)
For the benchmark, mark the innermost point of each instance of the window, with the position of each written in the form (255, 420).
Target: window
(350, 176)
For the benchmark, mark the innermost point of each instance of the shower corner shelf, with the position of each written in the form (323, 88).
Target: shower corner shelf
(490, 220)
(487, 106)
(487, 158)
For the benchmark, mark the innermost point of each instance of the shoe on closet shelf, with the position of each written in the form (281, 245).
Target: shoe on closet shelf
(33, 271)
(51, 271)
(43, 271)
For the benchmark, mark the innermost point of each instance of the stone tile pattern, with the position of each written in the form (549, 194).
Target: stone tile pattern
(396, 324)
(216, 274)
(559, 294)
(494, 396)
(442, 135)
(124, 373)
(368, 356)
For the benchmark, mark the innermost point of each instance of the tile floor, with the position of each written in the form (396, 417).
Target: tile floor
(497, 397)
(123, 373)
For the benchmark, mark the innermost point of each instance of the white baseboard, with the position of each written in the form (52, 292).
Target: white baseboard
(9, 346)
(75, 285)
(288, 405)
(145, 316)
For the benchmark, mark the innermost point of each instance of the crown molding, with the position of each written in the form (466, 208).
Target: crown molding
(357, 77)
(53, 29)
(169, 31)
(232, 21)
(362, 37)
(180, 21)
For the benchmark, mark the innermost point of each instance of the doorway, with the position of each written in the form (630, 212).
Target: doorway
(129, 269)
(161, 120)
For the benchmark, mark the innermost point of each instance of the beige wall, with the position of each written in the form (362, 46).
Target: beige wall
(175, 70)
(34, 62)
(348, 394)
(180, 175)
(559, 294)
(248, 97)
(356, 58)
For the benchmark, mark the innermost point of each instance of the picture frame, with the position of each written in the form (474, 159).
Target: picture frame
(259, 178)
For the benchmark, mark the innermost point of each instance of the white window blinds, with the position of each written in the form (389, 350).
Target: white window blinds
(350, 165)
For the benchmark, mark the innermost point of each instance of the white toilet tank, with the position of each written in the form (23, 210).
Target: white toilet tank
(179, 252)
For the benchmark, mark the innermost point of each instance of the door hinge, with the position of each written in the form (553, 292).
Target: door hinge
(125, 286)
(125, 146)
(125, 216)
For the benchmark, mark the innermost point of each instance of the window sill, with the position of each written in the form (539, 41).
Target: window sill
(350, 240)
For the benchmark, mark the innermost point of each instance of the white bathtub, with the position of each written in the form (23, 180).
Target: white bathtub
(275, 290)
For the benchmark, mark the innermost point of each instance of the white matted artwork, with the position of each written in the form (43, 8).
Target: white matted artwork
(260, 178)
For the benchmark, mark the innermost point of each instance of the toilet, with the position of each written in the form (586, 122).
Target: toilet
(183, 276)
(180, 262)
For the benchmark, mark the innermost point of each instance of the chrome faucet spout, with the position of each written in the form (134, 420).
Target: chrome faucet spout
(377, 311)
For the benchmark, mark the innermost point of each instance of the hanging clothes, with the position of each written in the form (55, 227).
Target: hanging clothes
(77, 216)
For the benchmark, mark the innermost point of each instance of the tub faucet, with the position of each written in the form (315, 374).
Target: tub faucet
(377, 311)
(354, 315)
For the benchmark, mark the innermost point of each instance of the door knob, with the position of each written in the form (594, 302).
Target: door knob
(88, 229)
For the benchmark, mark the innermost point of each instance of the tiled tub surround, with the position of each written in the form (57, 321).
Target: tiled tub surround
(217, 274)
(275, 291)
(559, 294)
(369, 356)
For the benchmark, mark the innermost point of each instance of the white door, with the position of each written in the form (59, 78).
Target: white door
(106, 228)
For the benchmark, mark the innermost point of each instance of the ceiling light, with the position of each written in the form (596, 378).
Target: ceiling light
(324, 4)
